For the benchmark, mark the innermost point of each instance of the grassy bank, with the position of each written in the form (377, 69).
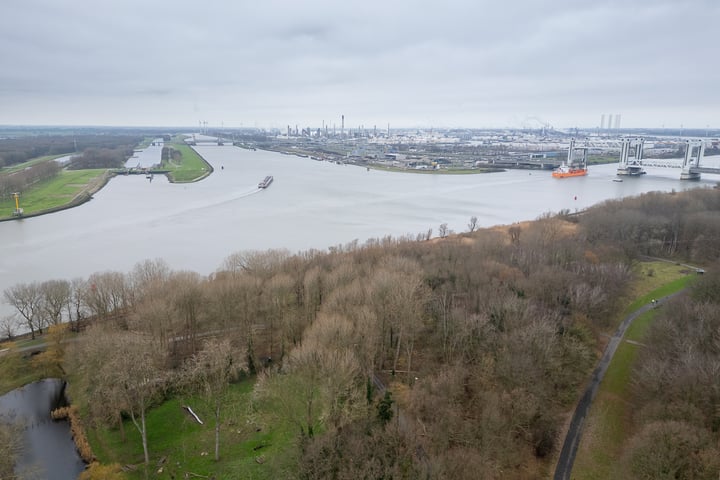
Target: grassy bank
(54, 193)
(20, 368)
(191, 167)
(609, 423)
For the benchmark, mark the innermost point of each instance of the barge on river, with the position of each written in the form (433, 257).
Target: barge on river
(266, 182)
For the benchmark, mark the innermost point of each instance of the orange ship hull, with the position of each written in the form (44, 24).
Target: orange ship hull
(569, 173)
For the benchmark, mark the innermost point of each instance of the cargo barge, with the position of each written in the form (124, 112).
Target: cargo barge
(266, 182)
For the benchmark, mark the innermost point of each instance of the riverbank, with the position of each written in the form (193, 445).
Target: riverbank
(190, 168)
(439, 171)
(69, 189)
(72, 188)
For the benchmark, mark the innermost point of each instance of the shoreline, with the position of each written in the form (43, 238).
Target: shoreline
(82, 197)
(86, 194)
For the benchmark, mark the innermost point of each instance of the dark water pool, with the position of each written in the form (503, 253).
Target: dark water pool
(48, 449)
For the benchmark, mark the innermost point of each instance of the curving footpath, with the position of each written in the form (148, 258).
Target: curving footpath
(574, 433)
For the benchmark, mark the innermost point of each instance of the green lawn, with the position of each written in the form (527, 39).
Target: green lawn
(190, 168)
(52, 193)
(16, 371)
(251, 445)
(609, 422)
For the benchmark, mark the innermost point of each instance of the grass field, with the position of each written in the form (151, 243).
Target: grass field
(250, 447)
(52, 193)
(191, 166)
(609, 423)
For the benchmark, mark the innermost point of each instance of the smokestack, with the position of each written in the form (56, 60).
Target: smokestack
(342, 126)
(602, 122)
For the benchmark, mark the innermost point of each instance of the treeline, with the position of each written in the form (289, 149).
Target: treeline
(482, 339)
(684, 225)
(677, 387)
(19, 181)
(101, 158)
(169, 153)
(21, 149)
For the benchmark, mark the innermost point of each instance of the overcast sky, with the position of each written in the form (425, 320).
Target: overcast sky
(446, 63)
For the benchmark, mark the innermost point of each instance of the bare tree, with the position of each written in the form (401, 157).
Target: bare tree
(8, 327)
(472, 225)
(123, 371)
(26, 298)
(263, 263)
(107, 294)
(320, 382)
(210, 372)
(76, 309)
(443, 230)
(56, 295)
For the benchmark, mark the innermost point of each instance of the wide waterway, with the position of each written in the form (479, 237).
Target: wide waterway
(311, 204)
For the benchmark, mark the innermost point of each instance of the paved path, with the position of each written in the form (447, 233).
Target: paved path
(574, 433)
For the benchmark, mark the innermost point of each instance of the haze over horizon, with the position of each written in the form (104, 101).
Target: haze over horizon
(410, 64)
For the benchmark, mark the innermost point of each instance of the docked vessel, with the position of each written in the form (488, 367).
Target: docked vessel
(266, 182)
(572, 168)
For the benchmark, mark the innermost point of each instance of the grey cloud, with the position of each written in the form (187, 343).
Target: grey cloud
(278, 62)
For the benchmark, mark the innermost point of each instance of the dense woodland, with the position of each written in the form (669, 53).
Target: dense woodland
(677, 383)
(102, 157)
(21, 149)
(483, 341)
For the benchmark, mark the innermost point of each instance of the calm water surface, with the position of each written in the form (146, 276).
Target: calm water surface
(310, 204)
(49, 452)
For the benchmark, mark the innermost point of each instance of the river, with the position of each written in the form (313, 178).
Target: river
(311, 204)
(48, 449)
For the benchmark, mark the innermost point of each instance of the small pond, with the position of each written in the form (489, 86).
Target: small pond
(48, 449)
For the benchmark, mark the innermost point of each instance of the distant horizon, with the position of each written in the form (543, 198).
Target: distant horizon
(209, 128)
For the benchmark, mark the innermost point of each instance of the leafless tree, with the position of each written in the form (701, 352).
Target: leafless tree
(443, 230)
(210, 372)
(26, 298)
(320, 382)
(472, 225)
(56, 295)
(107, 294)
(76, 308)
(8, 327)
